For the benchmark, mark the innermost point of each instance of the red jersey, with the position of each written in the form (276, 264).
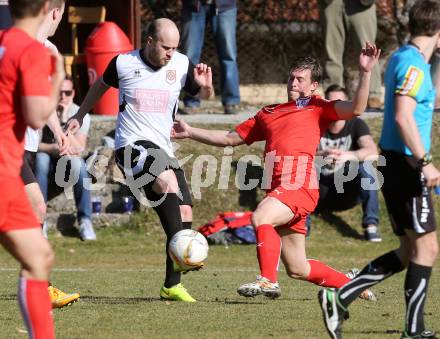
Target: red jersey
(292, 132)
(25, 70)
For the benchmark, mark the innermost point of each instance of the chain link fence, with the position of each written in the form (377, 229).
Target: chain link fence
(271, 33)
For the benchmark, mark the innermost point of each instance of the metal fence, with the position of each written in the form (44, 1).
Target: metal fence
(271, 33)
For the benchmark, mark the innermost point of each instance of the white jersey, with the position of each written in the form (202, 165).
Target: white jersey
(32, 136)
(148, 97)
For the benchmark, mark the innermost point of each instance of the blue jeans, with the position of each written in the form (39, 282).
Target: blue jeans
(369, 200)
(223, 26)
(353, 194)
(46, 164)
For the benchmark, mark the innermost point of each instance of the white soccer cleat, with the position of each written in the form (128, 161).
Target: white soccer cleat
(261, 285)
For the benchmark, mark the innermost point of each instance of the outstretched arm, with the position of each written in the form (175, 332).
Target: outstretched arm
(367, 60)
(182, 130)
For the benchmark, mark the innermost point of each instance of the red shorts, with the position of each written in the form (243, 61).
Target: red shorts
(15, 209)
(301, 202)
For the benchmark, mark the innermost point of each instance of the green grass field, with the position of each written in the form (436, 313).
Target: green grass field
(119, 277)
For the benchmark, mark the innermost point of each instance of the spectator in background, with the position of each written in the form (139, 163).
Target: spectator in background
(5, 15)
(340, 18)
(49, 154)
(346, 142)
(222, 15)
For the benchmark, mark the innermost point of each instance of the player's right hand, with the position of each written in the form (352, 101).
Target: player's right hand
(369, 57)
(431, 174)
(73, 124)
(180, 129)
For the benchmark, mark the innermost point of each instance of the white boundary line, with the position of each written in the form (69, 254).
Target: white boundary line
(79, 269)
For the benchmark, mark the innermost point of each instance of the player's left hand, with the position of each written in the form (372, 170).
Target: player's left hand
(203, 75)
(180, 129)
(369, 57)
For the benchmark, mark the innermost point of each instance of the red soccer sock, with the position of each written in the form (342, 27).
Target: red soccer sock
(268, 251)
(36, 308)
(323, 275)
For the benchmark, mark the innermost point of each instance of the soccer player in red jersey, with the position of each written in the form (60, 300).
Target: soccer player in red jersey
(292, 131)
(30, 80)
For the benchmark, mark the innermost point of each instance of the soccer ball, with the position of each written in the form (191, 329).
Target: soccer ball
(188, 249)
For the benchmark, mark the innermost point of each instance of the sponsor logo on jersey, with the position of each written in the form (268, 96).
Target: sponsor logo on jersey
(2, 51)
(171, 76)
(151, 100)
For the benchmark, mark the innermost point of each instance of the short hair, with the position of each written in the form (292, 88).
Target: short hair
(335, 88)
(25, 8)
(424, 18)
(152, 30)
(303, 63)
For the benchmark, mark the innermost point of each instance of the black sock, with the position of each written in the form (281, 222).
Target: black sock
(169, 215)
(375, 272)
(187, 224)
(416, 288)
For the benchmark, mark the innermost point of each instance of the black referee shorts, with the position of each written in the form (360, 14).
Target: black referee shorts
(28, 167)
(145, 158)
(408, 200)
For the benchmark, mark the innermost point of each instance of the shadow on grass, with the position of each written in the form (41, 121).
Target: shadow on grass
(341, 226)
(118, 300)
(8, 297)
(66, 225)
(239, 302)
(99, 299)
(379, 332)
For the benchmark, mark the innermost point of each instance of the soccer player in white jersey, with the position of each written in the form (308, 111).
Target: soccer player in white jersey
(50, 24)
(149, 82)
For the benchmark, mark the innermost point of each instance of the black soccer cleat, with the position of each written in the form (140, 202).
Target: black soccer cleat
(332, 313)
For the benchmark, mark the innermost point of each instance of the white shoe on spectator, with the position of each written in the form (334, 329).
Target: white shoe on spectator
(86, 231)
(371, 233)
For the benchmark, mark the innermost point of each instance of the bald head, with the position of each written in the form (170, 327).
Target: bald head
(162, 41)
(163, 28)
